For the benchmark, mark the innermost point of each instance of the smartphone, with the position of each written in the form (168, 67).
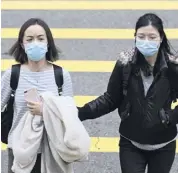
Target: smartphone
(32, 95)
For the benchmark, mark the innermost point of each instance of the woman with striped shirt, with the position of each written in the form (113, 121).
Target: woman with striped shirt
(34, 50)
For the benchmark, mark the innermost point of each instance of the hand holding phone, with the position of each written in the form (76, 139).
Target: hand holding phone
(32, 95)
(34, 103)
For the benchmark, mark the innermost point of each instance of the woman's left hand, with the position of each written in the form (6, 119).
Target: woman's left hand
(35, 108)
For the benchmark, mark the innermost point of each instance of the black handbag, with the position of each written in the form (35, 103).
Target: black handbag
(8, 111)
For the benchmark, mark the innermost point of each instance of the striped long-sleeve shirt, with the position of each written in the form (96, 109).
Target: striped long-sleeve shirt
(43, 81)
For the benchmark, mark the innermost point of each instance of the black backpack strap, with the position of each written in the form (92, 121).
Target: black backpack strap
(125, 106)
(125, 78)
(7, 114)
(15, 72)
(58, 73)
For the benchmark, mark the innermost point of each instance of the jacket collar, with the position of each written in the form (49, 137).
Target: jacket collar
(126, 57)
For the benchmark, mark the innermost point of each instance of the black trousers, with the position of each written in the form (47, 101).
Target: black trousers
(36, 169)
(134, 160)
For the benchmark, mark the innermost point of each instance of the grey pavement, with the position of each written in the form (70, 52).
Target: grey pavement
(89, 83)
(86, 18)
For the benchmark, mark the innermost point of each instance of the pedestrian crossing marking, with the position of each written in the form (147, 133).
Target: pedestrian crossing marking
(77, 66)
(81, 100)
(86, 33)
(89, 5)
(100, 144)
(174, 104)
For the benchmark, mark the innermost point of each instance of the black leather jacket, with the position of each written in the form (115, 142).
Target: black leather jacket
(145, 123)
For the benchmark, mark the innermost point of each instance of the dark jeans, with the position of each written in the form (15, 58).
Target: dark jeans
(36, 169)
(134, 160)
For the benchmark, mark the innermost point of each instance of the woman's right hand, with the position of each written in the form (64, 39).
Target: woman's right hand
(35, 108)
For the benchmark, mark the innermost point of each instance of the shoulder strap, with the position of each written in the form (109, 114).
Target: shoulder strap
(125, 78)
(15, 72)
(58, 73)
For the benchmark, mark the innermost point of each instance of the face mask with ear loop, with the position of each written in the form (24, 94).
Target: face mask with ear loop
(147, 48)
(36, 50)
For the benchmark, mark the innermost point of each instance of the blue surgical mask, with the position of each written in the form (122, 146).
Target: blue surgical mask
(36, 50)
(147, 48)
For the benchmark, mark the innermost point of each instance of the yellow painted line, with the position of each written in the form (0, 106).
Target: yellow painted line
(100, 144)
(81, 100)
(72, 65)
(85, 33)
(77, 66)
(104, 144)
(89, 5)
(174, 104)
(3, 146)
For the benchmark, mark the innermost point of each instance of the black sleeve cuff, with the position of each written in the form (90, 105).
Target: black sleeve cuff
(84, 112)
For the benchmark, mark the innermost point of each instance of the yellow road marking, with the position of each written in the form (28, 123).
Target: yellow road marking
(81, 100)
(77, 66)
(85, 33)
(89, 5)
(174, 104)
(100, 144)
(72, 65)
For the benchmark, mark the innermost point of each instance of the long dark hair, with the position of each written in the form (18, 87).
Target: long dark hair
(156, 22)
(18, 52)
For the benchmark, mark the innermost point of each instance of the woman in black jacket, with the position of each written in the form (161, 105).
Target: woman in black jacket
(142, 87)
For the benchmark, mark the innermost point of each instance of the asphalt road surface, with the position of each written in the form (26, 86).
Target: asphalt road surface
(91, 48)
